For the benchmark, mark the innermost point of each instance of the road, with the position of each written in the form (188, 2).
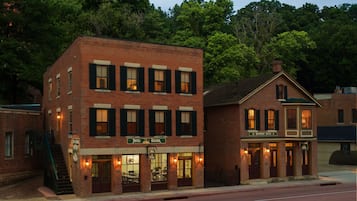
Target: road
(345, 192)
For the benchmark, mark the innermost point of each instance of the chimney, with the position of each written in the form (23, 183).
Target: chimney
(277, 66)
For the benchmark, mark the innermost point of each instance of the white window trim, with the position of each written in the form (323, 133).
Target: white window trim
(102, 105)
(101, 62)
(159, 67)
(185, 69)
(185, 108)
(132, 107)
(133, 65)
(160, 107)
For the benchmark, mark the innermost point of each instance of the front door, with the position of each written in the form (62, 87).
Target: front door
(289, 162)
(254, 161)
(101, 175)
(184, 170)
(273, 163)
(305, 162)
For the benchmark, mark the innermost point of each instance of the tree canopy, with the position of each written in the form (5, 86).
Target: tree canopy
(316, 45)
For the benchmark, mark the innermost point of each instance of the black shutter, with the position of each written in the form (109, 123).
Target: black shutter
(111, 76)
(92, 121)
(123, 122)
(92, 76)
(178, 81)
(285, 92)
(178, 123)
(277, 91)
(141, 122)
(194, 122)
(152, 122)
(276, 120)
(140, 79)
(168, 81)
(111, 121)
(193, 83)
(151, 79)
(266, 119)
(246, 119)
(257, 119)
(123, 78)
(168, 123)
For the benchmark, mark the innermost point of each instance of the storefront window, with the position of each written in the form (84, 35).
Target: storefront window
(130, 169)
(159, 168)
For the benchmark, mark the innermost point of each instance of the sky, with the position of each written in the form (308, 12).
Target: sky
(238, 4)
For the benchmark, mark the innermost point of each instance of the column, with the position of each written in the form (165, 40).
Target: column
(281, 159)
(172, 171)
(265, 165)
(117, 175)
(145, 173)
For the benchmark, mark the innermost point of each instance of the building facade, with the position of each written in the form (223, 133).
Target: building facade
(20, 131)
(337, 126)
(128, 115)
(261, 128)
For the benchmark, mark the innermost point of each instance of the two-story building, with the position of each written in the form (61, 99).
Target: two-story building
(337, 126)
(260, 128)
(127, 115)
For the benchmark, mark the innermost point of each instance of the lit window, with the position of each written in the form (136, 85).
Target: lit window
(132, 79)
(102, 77)
(306, 120)
(271, 119)
(185, 82)
(159, 80)
(251, 119)
(102, 122)
(159, 168)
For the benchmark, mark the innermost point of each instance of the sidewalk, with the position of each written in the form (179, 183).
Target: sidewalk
(184, 193)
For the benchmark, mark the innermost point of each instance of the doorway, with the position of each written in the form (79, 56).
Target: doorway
(273, 160)
(289, 159)
(184, 169)
(254, 161)
(101, 174)
(305, 162)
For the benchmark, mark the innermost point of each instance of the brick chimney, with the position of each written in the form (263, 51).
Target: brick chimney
(277, 66)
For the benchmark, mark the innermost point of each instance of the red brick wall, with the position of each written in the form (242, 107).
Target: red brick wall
(18, 122)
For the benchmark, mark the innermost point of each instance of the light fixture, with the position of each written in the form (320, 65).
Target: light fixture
(245, 150)
(175, 160)
(87, 163)
(58, 116)
(200, 159)
(118, 162)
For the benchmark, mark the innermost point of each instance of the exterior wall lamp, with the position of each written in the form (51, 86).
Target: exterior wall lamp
(245, 151)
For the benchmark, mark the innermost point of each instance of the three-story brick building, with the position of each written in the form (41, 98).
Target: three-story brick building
(128, 115)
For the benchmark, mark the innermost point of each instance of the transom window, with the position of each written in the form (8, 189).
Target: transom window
(306, 119)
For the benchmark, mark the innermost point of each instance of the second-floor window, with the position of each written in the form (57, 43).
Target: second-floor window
(160, 122)
(185, 82)
(159, 80)
(101, 76)
(354, 115)
(271, 120)
(70, 122)
(252, 119)
(58, 86)
(291, 118)
(306, 119)
(132, 122)
(340, 116)
(69, 80)
(50, 86)
(9, 144)
(186, 123)
(102, 122)
(131, 79)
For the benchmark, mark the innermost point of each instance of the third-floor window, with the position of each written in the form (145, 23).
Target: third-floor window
(159, 80)
(101, 76)
(185, 82)
(131, 78)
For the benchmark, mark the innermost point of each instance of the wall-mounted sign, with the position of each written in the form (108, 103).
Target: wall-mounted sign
(142, 140)
(75, 149)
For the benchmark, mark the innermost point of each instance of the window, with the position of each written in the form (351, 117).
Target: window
(158, 168)
(186, 123)
(185, 82)
(130, 169)
(9, 144)
(50, 86)
(160, 122)
(102, 122)
(340, 116)
(354, 115)
(58, 86)
(131, 79)
(271, 120)
(101, 76)
(28, 143)
(306, 119)
(291, 118)
(69, 80)
(252, 119)
(132, 122)
(70, 122)
(159, 80)
(281, 91)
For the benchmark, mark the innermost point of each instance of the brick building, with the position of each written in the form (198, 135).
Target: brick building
(337, 124)
(260, 128)
(20, 131)
(127, 115)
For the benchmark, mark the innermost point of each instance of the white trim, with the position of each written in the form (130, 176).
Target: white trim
(132, 107)
(58, 75)
(186, 69)
(102, 105)
(134, 65)
(49, 112)
(185, 108)
(102, 90)
(58, 109)
(49, 79)
(69, 69)
(160, 107)
(159, 67)
(140, 150)
(69, 107)
(101, 62)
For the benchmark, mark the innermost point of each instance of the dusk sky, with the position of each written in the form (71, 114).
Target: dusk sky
(238, 4)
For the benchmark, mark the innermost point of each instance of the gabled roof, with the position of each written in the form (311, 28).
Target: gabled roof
(240, 91)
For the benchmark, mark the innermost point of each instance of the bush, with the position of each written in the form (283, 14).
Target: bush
(343, 158)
